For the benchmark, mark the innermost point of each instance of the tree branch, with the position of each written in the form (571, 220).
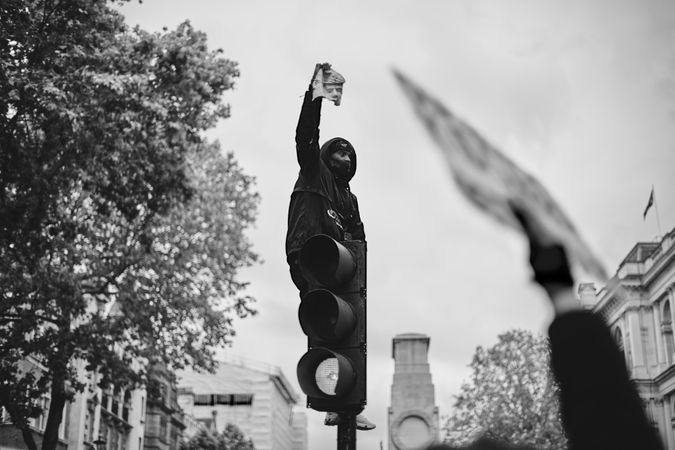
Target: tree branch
(7, 318)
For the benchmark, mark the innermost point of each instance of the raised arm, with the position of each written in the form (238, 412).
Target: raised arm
(600, 407)
(307, 131)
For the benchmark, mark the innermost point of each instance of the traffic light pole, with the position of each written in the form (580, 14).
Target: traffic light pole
(332, 373)
(346, 432)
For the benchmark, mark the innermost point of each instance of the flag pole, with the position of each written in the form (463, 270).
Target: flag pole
(656, 210)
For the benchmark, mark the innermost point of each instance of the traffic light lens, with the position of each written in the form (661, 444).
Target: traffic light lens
(326, 316)
(326, 261)
(326, 376)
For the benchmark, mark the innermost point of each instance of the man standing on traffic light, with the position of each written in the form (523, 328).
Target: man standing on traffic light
(322, 202)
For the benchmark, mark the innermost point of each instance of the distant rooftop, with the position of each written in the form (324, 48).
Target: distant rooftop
(644, 254)
(640, 252)
(231, 377)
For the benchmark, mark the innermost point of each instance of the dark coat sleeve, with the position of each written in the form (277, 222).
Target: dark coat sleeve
(600, 407)
(307, 133)
(357, 232)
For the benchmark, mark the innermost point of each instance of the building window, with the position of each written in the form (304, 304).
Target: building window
(223, 399)
(89, 422)
(103, 432)
(162, 394)
(162, 428)
(618, 338)
(40, 422)
(116, 401)
(667, 332)
(629, 354)
(175, 438)
(105, 399)
(203, 400)
(625, 351)
(91, 381)
(242, 399)
(126, 405)
(114, 439)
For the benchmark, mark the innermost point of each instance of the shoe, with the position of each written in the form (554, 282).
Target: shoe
(364, 424)
(331, 419)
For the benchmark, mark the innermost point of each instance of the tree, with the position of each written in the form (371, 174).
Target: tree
(510, 396)
(121, 227)
(230, 439)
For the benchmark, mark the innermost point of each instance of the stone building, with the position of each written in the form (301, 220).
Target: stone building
(637, 304)
(11, 437)
(115, 416)
(111, 419)
(164, 419)
(413, 414)
(254, 396)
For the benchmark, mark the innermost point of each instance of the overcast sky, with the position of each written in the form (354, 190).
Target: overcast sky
(581, 94)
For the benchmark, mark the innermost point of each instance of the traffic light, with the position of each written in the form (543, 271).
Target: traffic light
(333, 316)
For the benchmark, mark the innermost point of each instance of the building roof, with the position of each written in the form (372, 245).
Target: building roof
(644, 264)
(645, 250)
(233, 376)
(640, 252)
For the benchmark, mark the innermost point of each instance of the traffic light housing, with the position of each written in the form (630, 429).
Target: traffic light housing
(333, 316)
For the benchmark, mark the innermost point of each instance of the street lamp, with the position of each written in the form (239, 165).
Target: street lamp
(100, 443)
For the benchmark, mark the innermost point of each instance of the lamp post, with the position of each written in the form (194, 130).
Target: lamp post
(100, 443)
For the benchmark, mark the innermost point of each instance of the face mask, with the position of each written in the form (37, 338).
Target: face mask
(340, 168)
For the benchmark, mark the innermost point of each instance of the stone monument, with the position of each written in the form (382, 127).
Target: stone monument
(413, 415)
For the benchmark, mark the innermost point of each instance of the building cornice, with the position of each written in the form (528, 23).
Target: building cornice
(659, 266)
(609, 299)
(117, 420)
(284, 387)
(616, 307)
(665, 375)
(274, 372)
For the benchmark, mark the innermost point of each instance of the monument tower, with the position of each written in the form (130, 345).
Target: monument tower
(413, 415)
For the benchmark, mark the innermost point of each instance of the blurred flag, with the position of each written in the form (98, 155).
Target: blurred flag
(650, 202)
(490, 180)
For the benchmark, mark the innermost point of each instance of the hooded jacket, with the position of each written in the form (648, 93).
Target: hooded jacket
(321, 203)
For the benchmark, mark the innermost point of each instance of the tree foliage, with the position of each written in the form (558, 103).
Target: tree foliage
(231, 438)
(510, 396)
(121, 227)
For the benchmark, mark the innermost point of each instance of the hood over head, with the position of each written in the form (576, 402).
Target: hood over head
(332, 145)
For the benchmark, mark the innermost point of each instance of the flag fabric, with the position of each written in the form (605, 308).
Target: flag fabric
(491, 181)
(650, 202)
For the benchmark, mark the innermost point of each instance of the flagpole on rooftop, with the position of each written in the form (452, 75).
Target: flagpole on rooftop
(658, 219)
